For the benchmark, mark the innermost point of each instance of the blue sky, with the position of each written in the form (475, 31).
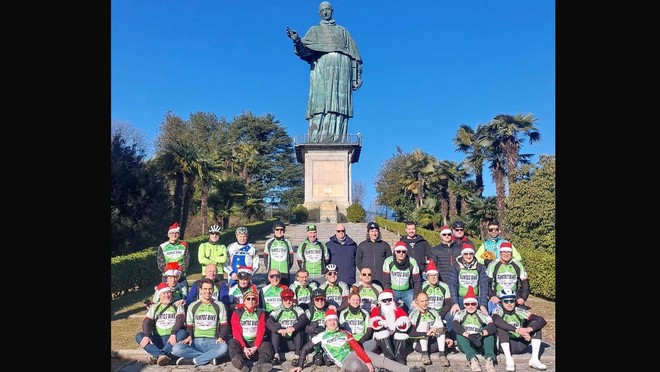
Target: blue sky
(429, 66)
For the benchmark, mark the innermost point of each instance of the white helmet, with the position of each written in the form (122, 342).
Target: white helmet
(214, 228)
(331, 267)
(242, 231)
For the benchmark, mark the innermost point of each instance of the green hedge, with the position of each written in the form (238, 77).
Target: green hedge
(138, 270)
(540, 266)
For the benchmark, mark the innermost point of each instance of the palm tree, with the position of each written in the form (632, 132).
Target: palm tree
(507, 132)
(418, 165)
(480, 211)
(467, 141)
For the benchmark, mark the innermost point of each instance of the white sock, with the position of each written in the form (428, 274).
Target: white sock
(441, 343)
(536, 347)
(506, 349)
(424, 344)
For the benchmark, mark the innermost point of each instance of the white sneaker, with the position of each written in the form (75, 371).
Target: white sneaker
(474, 365)
(535, 363)
(510, 365)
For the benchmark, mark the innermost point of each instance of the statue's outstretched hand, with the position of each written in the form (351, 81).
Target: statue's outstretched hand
(293, 34)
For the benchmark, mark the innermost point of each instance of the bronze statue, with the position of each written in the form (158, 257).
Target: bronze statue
(335, 72)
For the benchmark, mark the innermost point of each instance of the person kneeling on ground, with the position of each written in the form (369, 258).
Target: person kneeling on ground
(346, 353)
(516, 329)
(428, 330)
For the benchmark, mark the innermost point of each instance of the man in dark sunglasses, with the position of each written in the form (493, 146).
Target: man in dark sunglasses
(489, 250)
(278, 252)
(270, 294)
(367, 289)
(517, 328)
(458, 233)
(213, 252)
(475, 333)
(342, 249)
(445, 253)
(248, 328)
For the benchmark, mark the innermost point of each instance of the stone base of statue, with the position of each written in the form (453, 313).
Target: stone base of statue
(328, 176)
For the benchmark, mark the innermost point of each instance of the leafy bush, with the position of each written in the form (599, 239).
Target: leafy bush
(299, 214)
(355, 213)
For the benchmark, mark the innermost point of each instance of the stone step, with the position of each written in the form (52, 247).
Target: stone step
(137, 360)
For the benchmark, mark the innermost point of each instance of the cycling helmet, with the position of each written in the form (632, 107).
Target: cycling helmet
(318, 292)
(507, 294)
(286, 292)
(214, 228)
(278, 224)
(331, 267)
(242, 230)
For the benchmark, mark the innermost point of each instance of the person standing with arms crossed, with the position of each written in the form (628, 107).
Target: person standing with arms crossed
(278, 253)
(212, 252)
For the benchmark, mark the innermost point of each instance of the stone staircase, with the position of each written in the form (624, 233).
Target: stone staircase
(296, 233)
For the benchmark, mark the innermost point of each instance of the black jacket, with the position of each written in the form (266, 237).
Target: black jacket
(372, 255)
(444, 257)
(419, 249)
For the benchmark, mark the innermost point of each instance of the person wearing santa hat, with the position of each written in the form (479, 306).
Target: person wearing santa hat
(346, 353)
(507, 273)
(444, 254)
(467, 272)
(489, 250)
(517, 328)
(390, 324)
(244, 284)
(287, 326)
(174, 250)
(402, 275)
(162, 327)
(171, 278)
(439, 295)
(475, 333)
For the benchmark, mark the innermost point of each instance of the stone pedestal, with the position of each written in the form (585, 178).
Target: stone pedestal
(328, 178)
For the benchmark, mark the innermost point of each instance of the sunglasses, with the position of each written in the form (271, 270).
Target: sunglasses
(470, 304)
(398, 251)
(215, 233)
(287, 299)
(332, 273)
(366, 274)
(446, 234)
(493, 229)
(458, 229)
(508, 301)
(340, 230)
(386, 300)
(468, 254)
(279, 229)
(250, 299)
(275, 276)
(319, 299)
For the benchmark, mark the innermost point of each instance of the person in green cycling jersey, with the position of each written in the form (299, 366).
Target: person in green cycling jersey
(312, 254)
(278, 253)
(269, 295)
(302, 288)
(287, 326)
(346, 353)
(475, 333)
(174, 250)
(336, 291)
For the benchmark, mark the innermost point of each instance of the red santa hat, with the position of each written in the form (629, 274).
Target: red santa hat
(172, 269)
(431, 268)
(385, 294)
(401, 245)
(467, 248)
(244, 271)
(163, 287)
(330, 314)
(506, 247)
(445, 230)
(470, 296)
(174, 228)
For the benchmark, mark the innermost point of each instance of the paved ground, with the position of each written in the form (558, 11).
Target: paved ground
(137, 361)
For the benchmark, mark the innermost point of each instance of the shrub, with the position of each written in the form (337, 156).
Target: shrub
(355, 213)
(299, 214)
